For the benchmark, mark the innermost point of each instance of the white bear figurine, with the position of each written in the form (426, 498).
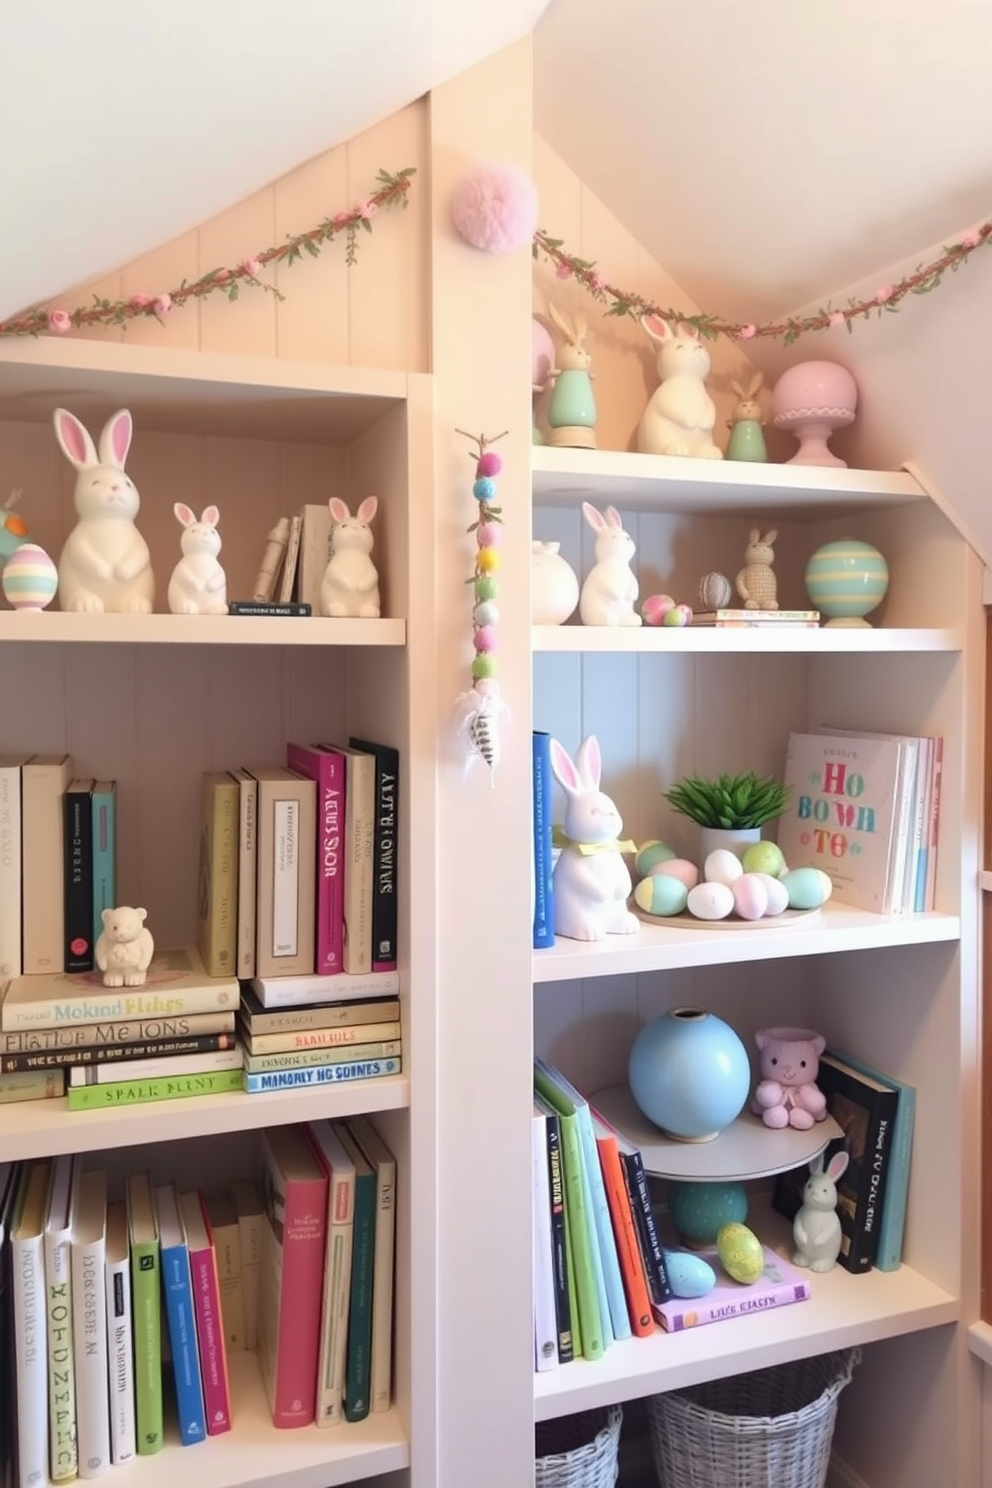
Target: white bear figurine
(124, 947)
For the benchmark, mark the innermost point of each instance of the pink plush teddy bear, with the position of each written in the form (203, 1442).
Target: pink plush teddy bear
(787, 1093)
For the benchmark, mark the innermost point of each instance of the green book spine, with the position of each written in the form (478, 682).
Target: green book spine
(147, 1324)
(573, 1300)
(358, 1365)
(579, 1221)
(141, 1092)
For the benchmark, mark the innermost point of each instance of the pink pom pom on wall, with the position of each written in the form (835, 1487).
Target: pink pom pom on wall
(495, 208)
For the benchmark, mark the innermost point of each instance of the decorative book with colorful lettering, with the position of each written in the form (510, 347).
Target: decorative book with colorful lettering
(256, 1082)
(326, 769)
(541, 787)
(384, 851)
(176, 985)
(780, 1284)
(843, 813)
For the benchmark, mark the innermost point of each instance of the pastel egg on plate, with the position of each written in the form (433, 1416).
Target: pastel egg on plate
(763, 857)
(722, 866)
(651, 854)
(808, 888)
(679, 868)
(750, 896)
(661, 894)
(689, 1275)
(710, 901)
(777, 892)
(740, 1252)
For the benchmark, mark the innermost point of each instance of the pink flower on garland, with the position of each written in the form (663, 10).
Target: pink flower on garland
(563, 271)
(971, 239)
(60, 321)
(251, 266)
(884, 293)
(140, 301)
(597, 282)
(163, 304)
(837, 318)
(368, 209)
(747, 332)
(340, 219)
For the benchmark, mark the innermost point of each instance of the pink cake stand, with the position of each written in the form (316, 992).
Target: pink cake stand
(812, 400)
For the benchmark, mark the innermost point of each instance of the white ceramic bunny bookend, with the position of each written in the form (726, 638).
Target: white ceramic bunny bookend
(816, 1228)
(609, 591)
(105, 563)
(351, 583)
(591, 880)
(198, 585)
(680, 415)
(756, 583)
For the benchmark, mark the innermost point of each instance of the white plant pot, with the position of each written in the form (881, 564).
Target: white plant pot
(737, 839)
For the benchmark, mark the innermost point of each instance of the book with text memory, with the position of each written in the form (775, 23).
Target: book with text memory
(384, 1167)
(62, 1434)
(247, 840)
(326, 769)
(359, 856)
(385, 861)
(307, 991)
(77, 804)
(88, 1227)
(120, 1354)
(543, 1246)
(888, 1252)
(44, 778)
(843, 813)
(104, 835)
(336, 1297)
(293, 1187)
(208, 1340)
(564, 1286)
(286, 888)
(541, 788)
(257, 1082)
(358, 1359)
(780, 1284)
(146, 1312)
(217, 894)
(588, 1332)
(30, 1309)
(10, 864)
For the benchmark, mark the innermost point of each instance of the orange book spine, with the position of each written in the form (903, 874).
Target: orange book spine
(635, 1283)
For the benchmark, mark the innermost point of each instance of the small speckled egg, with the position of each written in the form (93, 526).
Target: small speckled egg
(722, 866)
(651, 854)
(679, 868)
(661, 894)
(656, 607)
(778, 894)
(30, 578)
(710, 901)
(740, 1252)
(763, 857)
(750, 896)
(689, 1275)
(805, 888)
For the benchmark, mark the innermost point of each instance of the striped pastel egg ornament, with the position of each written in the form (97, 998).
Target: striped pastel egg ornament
(30, 578)
(846, 580)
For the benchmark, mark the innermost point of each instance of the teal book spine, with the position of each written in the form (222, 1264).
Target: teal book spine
(104, 851)
(358, 1364)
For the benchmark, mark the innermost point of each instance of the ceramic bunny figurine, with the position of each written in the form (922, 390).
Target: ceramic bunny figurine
(756, 580)
(105, 563)
(198, 585)
(746, 441)
(351, 583)
(609, 591)
(680, 416)
(591, 879)
(572, 410)
(816, 1228)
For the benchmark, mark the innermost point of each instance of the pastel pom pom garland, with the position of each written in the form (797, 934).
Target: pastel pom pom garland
(482, 707)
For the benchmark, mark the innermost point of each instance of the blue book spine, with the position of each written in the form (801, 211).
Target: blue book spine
(320, 1074)
(544, 906)
(104, 852)
(888, 1253)
(181, 1319)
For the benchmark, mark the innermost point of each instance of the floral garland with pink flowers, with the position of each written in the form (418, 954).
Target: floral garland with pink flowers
(390, 191)
(886, 299)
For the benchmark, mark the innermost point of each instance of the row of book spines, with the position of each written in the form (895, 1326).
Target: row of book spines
(225, 1082)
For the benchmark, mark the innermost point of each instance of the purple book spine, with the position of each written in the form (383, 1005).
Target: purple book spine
(327, 769)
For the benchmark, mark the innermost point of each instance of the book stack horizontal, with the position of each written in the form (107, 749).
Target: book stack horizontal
(730, 619)
(175, 1036)
(117, 1293)
(326, 1041)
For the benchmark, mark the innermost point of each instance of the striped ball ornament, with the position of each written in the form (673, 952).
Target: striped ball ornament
(30, 578)
(846, 580)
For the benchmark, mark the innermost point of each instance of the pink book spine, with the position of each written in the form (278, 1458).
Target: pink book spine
(210, 1340)
(298, 1348)
(327, 770)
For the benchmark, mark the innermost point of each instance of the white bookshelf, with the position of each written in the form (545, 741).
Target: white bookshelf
(658, 640)
(52, 626)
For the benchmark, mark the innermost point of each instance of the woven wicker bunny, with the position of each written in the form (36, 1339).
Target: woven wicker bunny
(572, 410)
(591, 879)
(680, 416)
(756, 580)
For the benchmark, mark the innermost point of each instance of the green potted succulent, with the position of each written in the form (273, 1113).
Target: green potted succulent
(730, 810)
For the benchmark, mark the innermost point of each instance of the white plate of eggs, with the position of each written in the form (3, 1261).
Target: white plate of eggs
(756, 891)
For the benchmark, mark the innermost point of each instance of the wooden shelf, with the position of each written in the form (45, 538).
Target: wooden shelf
(186, 630)
(713, 487)
(657, 640)
(744, 1151)
(835, 928)
(43, 1128)
(843, 1311)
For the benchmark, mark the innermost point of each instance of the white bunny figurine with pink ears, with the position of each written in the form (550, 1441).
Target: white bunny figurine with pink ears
(816, 1228)
(105, 563)
(351, 583)
(609, 591)
(680, 416)
(591, 879)
(198, 585)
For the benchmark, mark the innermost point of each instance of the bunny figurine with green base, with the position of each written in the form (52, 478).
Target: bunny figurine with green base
(572, 410)
(746, 442)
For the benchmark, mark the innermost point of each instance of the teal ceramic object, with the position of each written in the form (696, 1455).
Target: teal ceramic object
(846, 580)
(699, 1210)
(572, 402)
(689, 1073)
(746, 442)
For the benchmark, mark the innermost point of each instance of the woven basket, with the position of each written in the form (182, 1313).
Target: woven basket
(769, 1429)
(579, 1451)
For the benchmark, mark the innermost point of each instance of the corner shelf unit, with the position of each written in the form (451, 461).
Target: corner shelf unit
(900, 991)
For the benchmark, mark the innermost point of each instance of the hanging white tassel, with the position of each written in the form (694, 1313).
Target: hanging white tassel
(480, 717)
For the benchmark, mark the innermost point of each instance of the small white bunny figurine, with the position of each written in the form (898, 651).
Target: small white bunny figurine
(572, 409)
(609, 591)
(351, 583)
(591, 879)
(198, 585)
(680, 415)
(756, 581)
(104, 563)
(816, 1228)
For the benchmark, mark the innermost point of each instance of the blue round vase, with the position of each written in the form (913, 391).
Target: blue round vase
(699, 1210)
(847, 580)
(689, 1073)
